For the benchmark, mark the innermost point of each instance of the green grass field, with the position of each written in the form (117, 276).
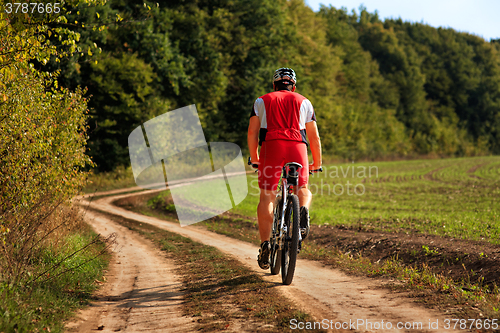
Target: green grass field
(457, 197)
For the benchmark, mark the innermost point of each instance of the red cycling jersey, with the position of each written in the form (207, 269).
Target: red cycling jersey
(283, 115)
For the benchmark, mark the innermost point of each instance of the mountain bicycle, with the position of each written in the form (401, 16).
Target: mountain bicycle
(285, 234)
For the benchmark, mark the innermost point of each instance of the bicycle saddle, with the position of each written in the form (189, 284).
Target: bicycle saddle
(293, 172)
(294, 164)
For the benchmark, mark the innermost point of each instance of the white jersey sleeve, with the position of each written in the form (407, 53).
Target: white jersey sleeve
(306, 113)
(259, 110)
(309, 111)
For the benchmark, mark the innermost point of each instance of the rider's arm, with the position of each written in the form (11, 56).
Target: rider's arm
(253, 138)
(315, 143)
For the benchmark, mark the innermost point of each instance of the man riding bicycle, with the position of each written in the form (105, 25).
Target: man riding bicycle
(279, 123)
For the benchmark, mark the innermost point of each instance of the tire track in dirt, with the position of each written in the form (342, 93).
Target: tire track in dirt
(471, 171)
(430, 175)
(323, 292)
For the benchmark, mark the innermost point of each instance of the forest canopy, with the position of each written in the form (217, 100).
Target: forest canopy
(380, 89)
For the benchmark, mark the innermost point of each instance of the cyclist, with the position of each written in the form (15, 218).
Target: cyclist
(279, 123)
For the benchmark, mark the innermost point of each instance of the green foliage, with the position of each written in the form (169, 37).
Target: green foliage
(462, 77)
(122, 90)
(42, 141)
(122, 64)
(42, 166)
(42, 137)
(425, 73)
(379, 88)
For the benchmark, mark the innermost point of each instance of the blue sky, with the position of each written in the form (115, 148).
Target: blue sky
(479, 17)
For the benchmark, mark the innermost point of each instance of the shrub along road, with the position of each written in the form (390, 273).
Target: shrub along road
(323, 292)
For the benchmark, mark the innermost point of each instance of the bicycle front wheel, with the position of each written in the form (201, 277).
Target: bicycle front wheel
(291, 241)
(275, 257)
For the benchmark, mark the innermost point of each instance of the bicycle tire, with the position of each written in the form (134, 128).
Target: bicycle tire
(291, 243)
(275, 257)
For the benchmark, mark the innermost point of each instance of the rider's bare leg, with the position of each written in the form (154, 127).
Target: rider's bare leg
(265, 213)
(305, 196)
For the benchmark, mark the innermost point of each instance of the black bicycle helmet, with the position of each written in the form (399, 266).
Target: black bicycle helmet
(285, 75)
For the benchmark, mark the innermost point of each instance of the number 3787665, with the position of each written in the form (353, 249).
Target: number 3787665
(32, 8)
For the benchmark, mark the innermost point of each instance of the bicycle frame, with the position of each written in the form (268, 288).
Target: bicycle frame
(285, 190)
(286, 234)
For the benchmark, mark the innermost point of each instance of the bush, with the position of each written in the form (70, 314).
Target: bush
(42, 144)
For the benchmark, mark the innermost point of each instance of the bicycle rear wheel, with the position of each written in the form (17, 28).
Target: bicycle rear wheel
(275, 257)
(291, 242)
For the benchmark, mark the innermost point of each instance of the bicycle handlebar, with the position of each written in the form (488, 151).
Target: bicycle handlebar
(256, 166)
(317, 170)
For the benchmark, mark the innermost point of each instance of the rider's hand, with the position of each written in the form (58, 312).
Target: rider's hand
(255, 164)
(314, 166)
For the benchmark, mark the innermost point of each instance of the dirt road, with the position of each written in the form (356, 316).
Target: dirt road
(141, 293)
(149, 295)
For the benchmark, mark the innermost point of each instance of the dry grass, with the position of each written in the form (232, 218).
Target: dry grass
(47, 224)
